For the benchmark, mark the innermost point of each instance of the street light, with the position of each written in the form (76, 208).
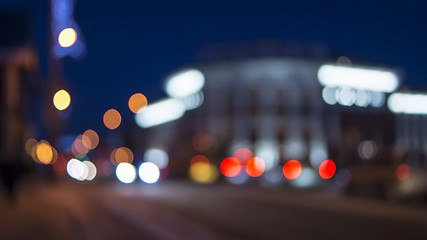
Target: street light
(61, 100)
(67, 37)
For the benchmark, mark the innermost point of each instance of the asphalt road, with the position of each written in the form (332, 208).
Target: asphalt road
(187, 211)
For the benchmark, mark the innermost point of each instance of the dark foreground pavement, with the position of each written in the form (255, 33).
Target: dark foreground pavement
(187, 211)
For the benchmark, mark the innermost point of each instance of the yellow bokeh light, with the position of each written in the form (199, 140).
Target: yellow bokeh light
(61, 99)
(44, 152)
(112, 119)
(93, 138)
(137, 102)
(67, 37)
(203, 172)
(120, 155)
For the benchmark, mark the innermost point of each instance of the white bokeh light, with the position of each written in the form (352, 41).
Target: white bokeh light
(149, 172)
(185, 83)
(408, 103)
(77, 170)
(193, 101)
(346, 96)
(160, 112)
(306, 179)
(268, 151)
(241, 178)
(328, 95)
(126, 172)
(157, 156)
(363, 98)
(91, 170)
(377, 99)
(367, 149)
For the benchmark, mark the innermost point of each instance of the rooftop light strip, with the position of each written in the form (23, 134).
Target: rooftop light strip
(408, 103)
(379, 80)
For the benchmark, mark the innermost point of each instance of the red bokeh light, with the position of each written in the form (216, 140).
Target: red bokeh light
(243, 154)
(104, 167)
(327, 169)
(292, 169)
(230, 167)
(199, 158)
(255, 167)
(164, 173)
(402, 172)
(61, 163)
(202, 142)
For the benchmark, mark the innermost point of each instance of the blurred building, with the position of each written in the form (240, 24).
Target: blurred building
(18, 64)
(283, 102)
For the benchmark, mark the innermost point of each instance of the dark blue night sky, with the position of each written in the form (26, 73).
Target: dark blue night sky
(133, 45)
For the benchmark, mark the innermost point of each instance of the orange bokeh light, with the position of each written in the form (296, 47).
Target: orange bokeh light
(122, 154)
(55, 155)
(292, 169)
(137, 102)
(79, 148)
(255, 167)
(30, 146)
(202, 142)
(402, 172)
(327, 169)
(112, 119)
(243, 154)
(44, 152)
(230, 167)
(91, 139)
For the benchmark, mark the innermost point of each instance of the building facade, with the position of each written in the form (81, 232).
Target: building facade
(287, 108)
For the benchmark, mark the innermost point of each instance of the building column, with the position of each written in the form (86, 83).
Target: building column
(295, 148)
(267, 144)
(241, 119)
(318, 141)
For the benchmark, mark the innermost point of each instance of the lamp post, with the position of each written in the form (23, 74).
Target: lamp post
(64, 39)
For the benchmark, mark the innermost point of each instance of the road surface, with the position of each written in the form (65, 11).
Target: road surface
(181, 210)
